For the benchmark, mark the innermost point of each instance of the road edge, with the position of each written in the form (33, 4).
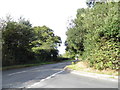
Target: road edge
(93, 75)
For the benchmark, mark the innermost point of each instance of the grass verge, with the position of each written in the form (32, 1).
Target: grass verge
(29, 65)
(83, 66)
(24, 65)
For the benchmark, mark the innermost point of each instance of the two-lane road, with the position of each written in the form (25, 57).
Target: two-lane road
(51, 76)
(27, 76)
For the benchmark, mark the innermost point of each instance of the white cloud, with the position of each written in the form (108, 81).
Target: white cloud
(52, 13)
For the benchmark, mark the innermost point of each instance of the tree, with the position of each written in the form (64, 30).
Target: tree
(96, 35)
(75, 35)
(23, 43)
(16, 39)
(45, 43)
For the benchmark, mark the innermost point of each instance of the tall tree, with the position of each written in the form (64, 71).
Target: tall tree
(23, 43)
(45, 43)
(98, 32)
(16, 39)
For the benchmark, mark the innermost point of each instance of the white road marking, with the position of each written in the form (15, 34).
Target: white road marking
(42, 80)
(45, 79)
(25, 71)
(22, 71)
(48, 77)
(16, 73)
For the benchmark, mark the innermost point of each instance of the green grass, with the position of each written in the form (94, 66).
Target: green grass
(28, 65)
(20, 66)
(82, 66)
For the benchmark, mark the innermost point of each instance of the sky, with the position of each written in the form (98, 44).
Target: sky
(52, 13)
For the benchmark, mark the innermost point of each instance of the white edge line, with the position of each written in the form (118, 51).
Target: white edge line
(45, 79)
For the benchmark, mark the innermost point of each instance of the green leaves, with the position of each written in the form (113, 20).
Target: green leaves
(23, 43)
(96, 35)
(16, 39)
(45, 44)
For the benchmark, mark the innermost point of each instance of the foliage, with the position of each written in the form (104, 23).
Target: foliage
(96, 36)
(23, 43)
(45, 43)
(16, 43)
(83, 66)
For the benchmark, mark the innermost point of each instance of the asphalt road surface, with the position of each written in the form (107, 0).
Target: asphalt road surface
(51, 76)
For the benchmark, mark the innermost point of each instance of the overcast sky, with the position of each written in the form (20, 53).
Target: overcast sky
(52, 13)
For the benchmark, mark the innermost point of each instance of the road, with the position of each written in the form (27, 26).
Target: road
(51, 76)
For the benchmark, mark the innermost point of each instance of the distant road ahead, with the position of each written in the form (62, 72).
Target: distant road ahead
(51, 76)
